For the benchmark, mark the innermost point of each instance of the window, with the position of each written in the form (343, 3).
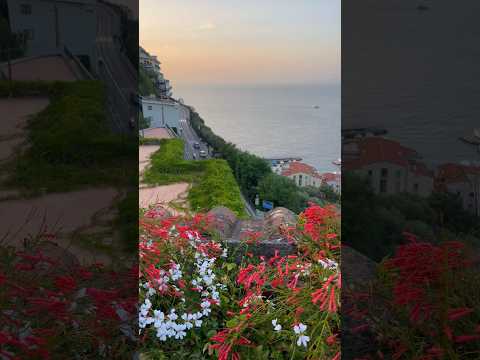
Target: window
(149, 107)
(25, 9)
(383, 186)
(399, 174)
(415, 188)
(300, 180)
(370, 172)
(384, 172)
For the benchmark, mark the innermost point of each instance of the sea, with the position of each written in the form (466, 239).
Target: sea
(418, 78)
(273, 121)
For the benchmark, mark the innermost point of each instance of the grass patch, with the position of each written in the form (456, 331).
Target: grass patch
(70, 143)
(213, 181)
(168, 165)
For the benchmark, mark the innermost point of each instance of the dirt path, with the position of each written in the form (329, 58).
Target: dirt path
(172, 196)
(15, 113)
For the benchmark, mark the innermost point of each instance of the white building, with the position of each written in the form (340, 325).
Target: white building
(462, 180)
(50, 25)
(302, 174)
(334, 180)
(151, 65)
(389, 167)
(163, 112)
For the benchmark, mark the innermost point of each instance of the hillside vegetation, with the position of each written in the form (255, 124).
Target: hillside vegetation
(212, 180)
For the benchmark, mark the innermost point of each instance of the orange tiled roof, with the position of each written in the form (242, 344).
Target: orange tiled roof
(299, 168)
(373, 150)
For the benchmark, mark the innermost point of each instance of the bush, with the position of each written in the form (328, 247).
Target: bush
(71, 144)
(213, 181)
(282, 191)
(197, 303)
(216, 187)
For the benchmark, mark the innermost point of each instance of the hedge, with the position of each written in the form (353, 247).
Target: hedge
(213, 180)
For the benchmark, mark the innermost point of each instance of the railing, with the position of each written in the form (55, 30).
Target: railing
(85, 73)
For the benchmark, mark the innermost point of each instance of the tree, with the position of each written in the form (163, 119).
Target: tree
(282, 191)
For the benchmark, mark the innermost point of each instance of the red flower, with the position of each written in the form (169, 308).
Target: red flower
(65, 283)
(454, 314)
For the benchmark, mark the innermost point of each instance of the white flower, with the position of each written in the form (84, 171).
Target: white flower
(328, 264)
(205, 304)
(303, 340)
(300, 328)
(276, 327)
(172, 316)
(224, 253)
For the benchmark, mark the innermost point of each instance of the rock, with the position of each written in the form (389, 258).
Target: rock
(222, 220)
(271, 237)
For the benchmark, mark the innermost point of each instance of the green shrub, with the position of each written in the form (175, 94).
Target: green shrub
(213, 180)
(71, 144)
(217, 187)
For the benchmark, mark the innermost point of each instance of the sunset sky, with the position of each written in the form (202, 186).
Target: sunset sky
(244, 42)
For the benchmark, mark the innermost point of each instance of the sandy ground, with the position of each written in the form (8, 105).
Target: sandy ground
(144, 153)
(49, 68)
(164, 194)
(156, 133)
(161, 194)
(59, 212)
(15, 113)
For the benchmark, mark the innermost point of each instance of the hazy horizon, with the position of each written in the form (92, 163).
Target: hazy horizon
(249, 43)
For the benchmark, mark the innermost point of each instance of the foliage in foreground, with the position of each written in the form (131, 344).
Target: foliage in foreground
(70, 143)
(212, 180)
(197, 303)
(50, 310)
(431, 295)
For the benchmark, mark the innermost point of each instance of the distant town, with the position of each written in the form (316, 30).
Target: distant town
(392, 168)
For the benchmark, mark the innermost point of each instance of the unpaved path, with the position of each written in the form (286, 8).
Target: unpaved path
(166, 195)
(14, 115)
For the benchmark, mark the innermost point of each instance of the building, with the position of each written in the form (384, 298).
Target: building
(462, 180)
(151, 65)
(49, 26)
(334, 180)
(302, 174)
(163, 112)
(389, 167)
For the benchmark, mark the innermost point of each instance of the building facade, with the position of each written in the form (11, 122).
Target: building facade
(162, 112)
(302, 174)
(151, 65)
(463, 181)
(48, 26)
(389, 167)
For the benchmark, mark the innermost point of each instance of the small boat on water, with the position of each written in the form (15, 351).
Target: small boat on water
(316, 107)
(337, 162)
(473, 139)
(476, 132)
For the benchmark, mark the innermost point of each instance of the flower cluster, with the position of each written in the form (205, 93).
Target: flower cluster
(78, 311)
(192, 284)
(194, 292)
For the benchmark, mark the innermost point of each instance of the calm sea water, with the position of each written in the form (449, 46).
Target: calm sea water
(273, 121)
(419, 77)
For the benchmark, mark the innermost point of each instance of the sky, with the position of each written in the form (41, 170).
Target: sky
(244, 41)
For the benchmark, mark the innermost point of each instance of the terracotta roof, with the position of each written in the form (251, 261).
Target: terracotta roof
(455, 173)
(372, 150)
(329, 177)
(299, 168)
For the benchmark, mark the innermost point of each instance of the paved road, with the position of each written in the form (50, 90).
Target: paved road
(190, 137)
(115, 69)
